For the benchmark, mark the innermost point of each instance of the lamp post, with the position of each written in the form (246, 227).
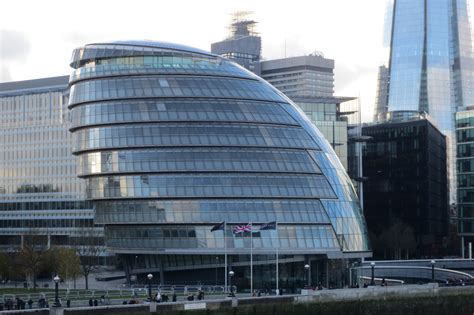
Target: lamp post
(149, 276)
(56, 290)
(231, 274)
(217, 266)
(372, 281)
(433, 270)
(307, 267)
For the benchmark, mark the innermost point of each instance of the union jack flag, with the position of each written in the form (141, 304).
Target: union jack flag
(243, 228)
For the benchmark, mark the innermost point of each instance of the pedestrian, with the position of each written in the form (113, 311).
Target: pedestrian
(96, 303)
(158, 297)
(90, 302)
(200, 295)
(30, 303)
(174, 297)
(68, 303)
(383, 282)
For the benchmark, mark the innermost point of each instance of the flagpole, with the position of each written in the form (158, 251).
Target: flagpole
(277, 246)
(225, 256)
(251, 260)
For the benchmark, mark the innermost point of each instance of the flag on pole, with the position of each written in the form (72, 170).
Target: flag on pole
(268, 226)
(243, 228)
(218, 227)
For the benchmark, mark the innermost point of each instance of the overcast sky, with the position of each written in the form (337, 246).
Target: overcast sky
(38, 36)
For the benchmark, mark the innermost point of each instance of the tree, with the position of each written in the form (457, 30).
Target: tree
(398, 238)
(452, 243)
(32, 257)
(89, 246)
(5, 266)
(65, 262)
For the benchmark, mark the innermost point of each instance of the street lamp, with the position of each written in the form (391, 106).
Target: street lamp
(372, 265)
(149, 276)
(432, 270)
(231, 274)
(56, 290)
(307, 267)
(217, 266)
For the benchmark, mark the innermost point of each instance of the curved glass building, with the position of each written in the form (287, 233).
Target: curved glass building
(173, 140)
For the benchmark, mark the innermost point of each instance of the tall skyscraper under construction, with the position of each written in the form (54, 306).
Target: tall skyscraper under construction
(243, 45)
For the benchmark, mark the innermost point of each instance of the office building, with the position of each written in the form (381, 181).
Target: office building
(244, 45)
(405, 164)
(302, 76)
(173, 140)
(39, 189)
(431, 67)
(465, 165)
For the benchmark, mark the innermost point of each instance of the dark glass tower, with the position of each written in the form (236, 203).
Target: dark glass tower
(173, 140)
(406, 166)
(431, 65)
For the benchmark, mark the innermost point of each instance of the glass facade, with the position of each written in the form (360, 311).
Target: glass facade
(309, 82)
(168, 155)
(431, 65)
(406, 166)
(465, 164)
(39, 190)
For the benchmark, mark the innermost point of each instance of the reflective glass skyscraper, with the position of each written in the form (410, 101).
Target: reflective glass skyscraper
(431, 64)
(172, 140)
(39, 190)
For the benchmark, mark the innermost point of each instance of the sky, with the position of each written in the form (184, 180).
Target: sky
(37, 37)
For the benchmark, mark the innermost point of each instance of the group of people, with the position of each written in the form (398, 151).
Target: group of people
(199, 296)
(103, 301)
(14, 304)
(19, 304)
(460, 282)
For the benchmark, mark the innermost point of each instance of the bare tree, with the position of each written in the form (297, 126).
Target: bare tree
(89, 246)
(33, 255)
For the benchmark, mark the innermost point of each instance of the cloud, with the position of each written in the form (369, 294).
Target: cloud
(14, 49)
(5, 75)
(347, 75)
(275, 47)
(14, 46)
(80, 39)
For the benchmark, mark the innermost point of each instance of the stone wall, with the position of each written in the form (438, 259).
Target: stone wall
(402, 300)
